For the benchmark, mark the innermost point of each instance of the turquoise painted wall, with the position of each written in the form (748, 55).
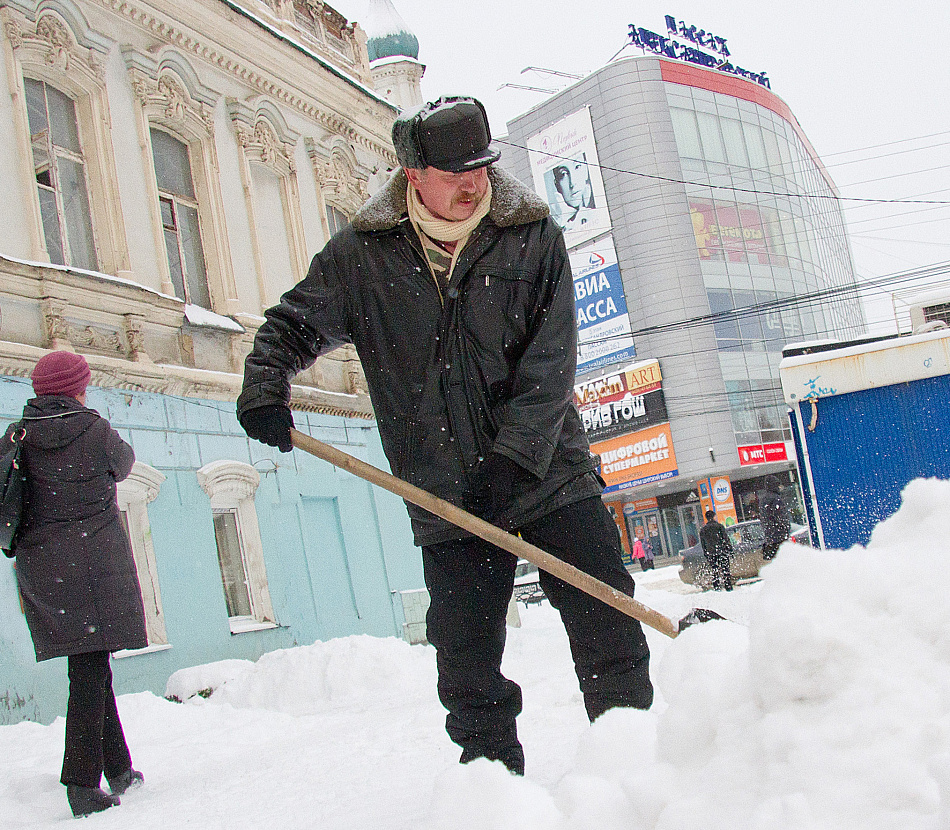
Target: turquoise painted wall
(337, 550)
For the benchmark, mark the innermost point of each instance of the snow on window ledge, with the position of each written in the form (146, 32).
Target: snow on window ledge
(242, 625)
(198, 316)
(134, 652)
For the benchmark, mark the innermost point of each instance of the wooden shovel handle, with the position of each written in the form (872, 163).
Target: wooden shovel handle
(489, 532)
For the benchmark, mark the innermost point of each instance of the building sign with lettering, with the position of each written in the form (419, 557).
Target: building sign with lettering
(639, 458)
(603, 326)
(687, 43)
(623, 401)
(762, 453)
(732, 233)
(715, 493)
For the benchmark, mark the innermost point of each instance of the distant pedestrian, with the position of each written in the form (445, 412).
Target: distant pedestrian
(640, 554)
(773, 514)
(75, 570)
(716, 548)
(648, 557)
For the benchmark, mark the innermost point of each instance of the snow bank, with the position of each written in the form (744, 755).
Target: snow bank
(824, 703)
(358, 671)
(832, 710)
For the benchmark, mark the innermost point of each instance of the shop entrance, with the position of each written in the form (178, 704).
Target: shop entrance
(646, 527)
(682, 525)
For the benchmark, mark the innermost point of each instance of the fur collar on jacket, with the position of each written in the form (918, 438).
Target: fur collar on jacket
(511, 204)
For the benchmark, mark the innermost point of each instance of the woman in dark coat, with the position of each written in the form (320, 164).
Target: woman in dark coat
(76, 573)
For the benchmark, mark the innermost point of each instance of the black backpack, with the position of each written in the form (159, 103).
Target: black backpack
(12, 487)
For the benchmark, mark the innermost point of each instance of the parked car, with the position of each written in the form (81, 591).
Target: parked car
(745, 560)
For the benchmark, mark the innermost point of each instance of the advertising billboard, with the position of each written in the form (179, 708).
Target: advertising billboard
(762, 453)
(603, 326)
(715, 493)
(729, 233)
(638, 458)
(566, 174)
(622, 402)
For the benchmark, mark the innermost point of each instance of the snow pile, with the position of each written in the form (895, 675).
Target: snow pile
(358, 672)
(203, 680)
(832, 710)
(824, 703)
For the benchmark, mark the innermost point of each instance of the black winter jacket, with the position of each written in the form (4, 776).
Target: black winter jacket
(74, 566)
(774, 517)
(488, 365)
(714, 540)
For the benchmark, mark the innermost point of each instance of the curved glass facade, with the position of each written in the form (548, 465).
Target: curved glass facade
(770, 237)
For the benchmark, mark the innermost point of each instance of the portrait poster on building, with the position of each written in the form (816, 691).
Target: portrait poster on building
(566, 174)
(603, 326)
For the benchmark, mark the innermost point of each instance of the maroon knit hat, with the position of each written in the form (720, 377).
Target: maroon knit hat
(61, 373)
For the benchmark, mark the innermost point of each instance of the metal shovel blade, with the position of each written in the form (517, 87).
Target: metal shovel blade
(696, 616)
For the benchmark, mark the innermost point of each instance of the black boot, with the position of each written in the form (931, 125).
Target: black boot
(511, 756)
(129, 778)
(85, 801)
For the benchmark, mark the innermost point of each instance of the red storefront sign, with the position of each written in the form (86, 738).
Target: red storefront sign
(762, 453)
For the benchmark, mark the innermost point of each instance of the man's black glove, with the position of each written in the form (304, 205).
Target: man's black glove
(270, 425)
(498, 480)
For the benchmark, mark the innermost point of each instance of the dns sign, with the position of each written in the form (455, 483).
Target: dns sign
(723, 491)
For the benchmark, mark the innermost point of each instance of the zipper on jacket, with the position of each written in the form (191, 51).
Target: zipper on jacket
(416, 245)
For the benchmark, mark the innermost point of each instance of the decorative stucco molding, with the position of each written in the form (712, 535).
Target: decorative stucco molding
(228, 481)
(341, 179)
(231, 63)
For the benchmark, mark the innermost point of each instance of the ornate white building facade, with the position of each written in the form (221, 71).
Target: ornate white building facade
(168, 170)
(165, 156)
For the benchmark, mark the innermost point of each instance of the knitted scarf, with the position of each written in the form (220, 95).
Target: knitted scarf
(432, 230)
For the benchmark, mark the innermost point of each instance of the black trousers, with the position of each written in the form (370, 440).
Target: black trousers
(721, 573)
(770, 549)
(95, 742)
(470, 582)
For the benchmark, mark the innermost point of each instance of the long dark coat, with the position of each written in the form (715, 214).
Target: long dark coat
(485, 365)
(74, 565)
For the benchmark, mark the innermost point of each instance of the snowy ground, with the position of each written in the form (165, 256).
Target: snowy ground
(823, 703)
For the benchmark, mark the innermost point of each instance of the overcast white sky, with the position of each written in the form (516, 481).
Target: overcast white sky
(857, 75)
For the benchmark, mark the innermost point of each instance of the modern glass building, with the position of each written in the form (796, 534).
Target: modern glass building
(730, 243)
(769, 234)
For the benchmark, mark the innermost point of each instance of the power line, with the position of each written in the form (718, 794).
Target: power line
(902, 175)
(671, 180)
(887, 144)
(866, 159)
(811, 299)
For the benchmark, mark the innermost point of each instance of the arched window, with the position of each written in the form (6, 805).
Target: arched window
(231, 486)
(60, 172)
(134, 495)
(269, 175)
(62, 139)
(181, 226)
(176, 126)
(336, 219)
(341, 181)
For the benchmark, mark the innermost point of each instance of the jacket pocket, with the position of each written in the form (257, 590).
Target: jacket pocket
(496, 305)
